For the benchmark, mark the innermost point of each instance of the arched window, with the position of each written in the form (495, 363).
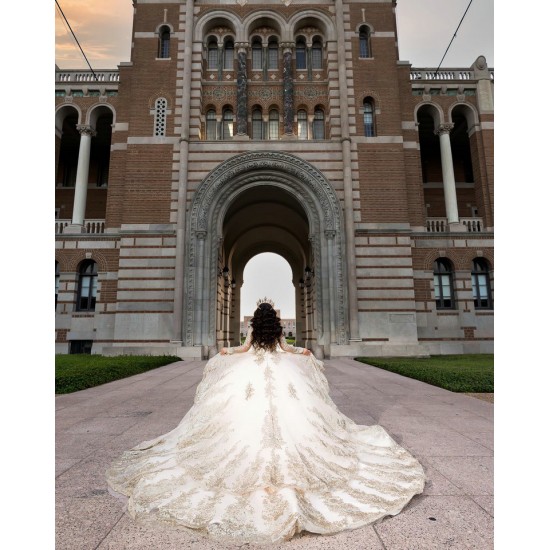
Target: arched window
(228, 54)
(272, 55)
(211, 125)
(443, 284)
(257, 56)
(227, 124)
(56, 282)
(368, 117)
(164, 42)
(257, 124)
(481, 284)
(302, 124)
(300, 54)
(319, 124)
(273, 129)
(87, 286)
(161, 106)
(364, 41)
(317, 55)
(212, 55)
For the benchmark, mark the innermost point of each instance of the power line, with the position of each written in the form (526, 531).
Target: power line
(454, 36)
(76, 39)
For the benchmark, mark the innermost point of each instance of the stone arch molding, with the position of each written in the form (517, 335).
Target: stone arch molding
(204, 230)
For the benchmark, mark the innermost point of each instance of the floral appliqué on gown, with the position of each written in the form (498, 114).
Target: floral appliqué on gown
(263, 454)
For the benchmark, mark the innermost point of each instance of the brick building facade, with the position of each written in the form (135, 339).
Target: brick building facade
(245, 127)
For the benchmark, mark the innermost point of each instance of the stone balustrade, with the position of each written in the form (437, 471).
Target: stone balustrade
(93, 227)
(87, 76)
(444, 74)
(440, 225)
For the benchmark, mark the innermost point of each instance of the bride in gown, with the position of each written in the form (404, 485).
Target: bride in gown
(264, 452)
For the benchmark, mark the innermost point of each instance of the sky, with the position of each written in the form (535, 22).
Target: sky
(425, 28)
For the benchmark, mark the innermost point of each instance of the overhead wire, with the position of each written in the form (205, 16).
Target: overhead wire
(454, 36)
(76, 39)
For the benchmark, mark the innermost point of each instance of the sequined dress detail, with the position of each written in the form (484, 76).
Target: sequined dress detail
(263, 454)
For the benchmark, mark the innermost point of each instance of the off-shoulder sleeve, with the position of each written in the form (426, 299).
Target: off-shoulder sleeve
(245, 346)
(288, 347)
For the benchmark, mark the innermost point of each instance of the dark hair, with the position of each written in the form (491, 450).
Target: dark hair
(266, 328)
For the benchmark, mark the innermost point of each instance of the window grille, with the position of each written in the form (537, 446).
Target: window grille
(317, 55)
(227, 124)
(228, 55)
(257, 56)
(300, 55)
(212, 56)
(272, 55)
(161, 106)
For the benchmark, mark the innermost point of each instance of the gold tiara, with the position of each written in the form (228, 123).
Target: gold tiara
(265, 300)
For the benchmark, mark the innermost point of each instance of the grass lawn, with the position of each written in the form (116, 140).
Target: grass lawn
(458, 373)
(78, 372)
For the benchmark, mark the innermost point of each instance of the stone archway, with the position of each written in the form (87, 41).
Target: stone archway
(212, 200)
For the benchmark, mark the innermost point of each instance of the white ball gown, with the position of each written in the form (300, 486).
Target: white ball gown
(263, 454)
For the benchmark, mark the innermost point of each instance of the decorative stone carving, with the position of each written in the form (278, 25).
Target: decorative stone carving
(286, 171)
(288, 93)
(444, 128)
(86, 130)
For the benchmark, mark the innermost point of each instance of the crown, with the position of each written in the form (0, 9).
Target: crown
(265, 300)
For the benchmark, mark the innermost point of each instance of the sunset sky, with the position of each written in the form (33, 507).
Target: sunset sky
(425, 28)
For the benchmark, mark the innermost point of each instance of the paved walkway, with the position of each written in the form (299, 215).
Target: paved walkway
(451, 435)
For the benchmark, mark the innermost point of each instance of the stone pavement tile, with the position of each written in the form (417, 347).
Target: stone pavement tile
(131, 535)
(82, 522)
(458, 523)
(440, 442)
(468, 423)
(63, 465)
(487, 439)
(472, 474)
(83, 478)
(128, 534)
(71, 446)
(486, 502)
(102, 425)
(437, 483)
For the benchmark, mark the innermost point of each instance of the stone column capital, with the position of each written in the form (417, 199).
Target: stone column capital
(287, 46)
(86, 130)
(330, 233)
(444, 128)
(241, 47)
(201, 235)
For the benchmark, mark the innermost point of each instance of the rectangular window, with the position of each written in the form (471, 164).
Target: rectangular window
(212, 59)
(257, 59)
(302, 129)
(272, 58)
(273, 129)
(316, 58)
(301, 58)
(257, 129)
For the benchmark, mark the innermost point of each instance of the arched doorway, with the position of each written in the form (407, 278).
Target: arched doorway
(264, 202)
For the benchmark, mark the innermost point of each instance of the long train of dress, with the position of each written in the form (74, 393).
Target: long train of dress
(263, 454)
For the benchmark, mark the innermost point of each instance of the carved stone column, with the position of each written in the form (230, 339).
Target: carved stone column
(288, 90)
(242, 92)
(81, 185)
(449, 186)
(199, 298)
